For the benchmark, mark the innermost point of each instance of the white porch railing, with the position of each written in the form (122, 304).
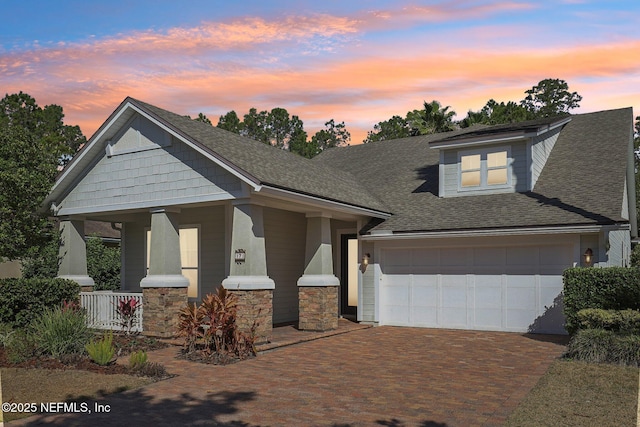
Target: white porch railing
(102, 313)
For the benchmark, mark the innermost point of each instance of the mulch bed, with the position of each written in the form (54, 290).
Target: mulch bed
(124, 344)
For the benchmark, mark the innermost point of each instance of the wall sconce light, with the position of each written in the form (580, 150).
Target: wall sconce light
(365, 259)
(588, 257)
(240, 256)
(365, 262)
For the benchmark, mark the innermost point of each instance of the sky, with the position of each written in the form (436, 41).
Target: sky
(359, 61)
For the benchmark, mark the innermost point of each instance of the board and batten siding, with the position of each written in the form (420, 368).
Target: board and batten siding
(519, 171)
(619, 251)
(540, 150)
(368, 302)
(144, 175)
(285, 237)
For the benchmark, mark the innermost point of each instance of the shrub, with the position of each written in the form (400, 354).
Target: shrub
(21, 346)
(6, 334)
(611, 288)
(137, 359)
(103, 265)
(102, 351)
(152, 370)
(23, 300)
(635, 256)
(126, 310)
(61, 331)
(623, 321)
(211, 330)
(602, 346)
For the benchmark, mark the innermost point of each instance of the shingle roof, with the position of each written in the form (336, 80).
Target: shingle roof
(581, 184)
(269, 165)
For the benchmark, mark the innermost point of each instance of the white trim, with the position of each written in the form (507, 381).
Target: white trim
(497, 232)
(248, 283)
(318, 280)
(304, 198)
(164, 281)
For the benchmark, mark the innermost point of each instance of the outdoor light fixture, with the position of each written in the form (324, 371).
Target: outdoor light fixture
(588, 257)
(240, 256)
(365, 259)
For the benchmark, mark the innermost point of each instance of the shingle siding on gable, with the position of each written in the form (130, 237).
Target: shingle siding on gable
(150, 178)
(540, 149)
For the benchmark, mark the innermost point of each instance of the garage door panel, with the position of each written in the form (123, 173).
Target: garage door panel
(487, 288)
(521, 298)
(486, 318)
(488, 297)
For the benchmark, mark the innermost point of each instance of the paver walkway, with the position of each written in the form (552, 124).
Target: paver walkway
(378, 376)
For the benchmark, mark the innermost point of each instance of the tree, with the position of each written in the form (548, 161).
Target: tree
(432, 119)
(394, 128)
(256, 126)
(45, 124)
(27, 171)
(550, 97)
(202, 118)
(34, 142)
(230, 122)
(334, 135)
(494, 113)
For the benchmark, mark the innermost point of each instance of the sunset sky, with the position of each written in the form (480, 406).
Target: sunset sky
(360, 62)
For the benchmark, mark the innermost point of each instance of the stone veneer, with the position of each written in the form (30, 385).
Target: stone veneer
(161, 307)
(255, 305)
(86, 288)
(318, 306)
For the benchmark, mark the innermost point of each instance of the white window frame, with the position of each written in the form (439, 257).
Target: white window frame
(199, 268)
(484, 152)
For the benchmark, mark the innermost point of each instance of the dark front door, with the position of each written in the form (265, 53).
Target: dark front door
(349, 274)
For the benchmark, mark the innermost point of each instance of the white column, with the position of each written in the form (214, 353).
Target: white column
(165, 265)
(73, 252)
(247, 237)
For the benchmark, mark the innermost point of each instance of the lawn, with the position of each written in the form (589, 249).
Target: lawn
(574, 393)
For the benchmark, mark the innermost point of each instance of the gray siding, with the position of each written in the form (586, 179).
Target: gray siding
(368, 287)
(285, 237)
(619, 248)
(211, 221)
(149, 177)
(540, 149)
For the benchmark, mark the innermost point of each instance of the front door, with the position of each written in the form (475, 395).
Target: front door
(349, 274)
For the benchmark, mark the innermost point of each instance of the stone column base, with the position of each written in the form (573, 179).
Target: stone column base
(161, 307)
(318, 306)
(255, 306)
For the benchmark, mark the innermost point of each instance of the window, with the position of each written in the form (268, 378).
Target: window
(189, 256)
(482, 169)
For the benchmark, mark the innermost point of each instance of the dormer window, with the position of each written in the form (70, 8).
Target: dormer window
(484, 169)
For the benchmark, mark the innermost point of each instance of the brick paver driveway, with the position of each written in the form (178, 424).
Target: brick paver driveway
(380, 376)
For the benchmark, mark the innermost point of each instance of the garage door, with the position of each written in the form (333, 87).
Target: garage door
(512, 288)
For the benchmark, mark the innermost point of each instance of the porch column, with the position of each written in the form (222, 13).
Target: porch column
(318, 287)
(164, 290)
(73, 253)
(248, 278)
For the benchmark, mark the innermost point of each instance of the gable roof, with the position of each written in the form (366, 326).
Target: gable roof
(582, 183)
(255, 162)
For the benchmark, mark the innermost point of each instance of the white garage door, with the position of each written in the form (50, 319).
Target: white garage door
(485, 288)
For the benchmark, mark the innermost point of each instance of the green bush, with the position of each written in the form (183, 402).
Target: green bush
(21, 346)
(602, 346)
(137, 359)
(635, 256)
(102, 352)
(23, 300)
(623, 321)
(61, 331)
(103, 265)
(611, 288)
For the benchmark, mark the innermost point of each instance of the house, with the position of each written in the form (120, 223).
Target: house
(468, 229)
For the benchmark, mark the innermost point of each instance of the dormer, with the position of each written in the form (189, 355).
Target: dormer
(496, 159)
